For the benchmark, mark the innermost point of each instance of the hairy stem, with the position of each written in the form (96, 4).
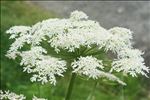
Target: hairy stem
(70, 87)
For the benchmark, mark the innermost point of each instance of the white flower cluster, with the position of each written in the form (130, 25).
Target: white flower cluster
(118, 39)
(46, 66)
(93, 68)
(7, 95)
(21, 36)
(88, 66)
(130, 61)
(16, 31)
(11, 96)
(77, 15)
(71, 34)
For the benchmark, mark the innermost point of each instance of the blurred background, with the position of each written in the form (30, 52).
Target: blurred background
(130, 14)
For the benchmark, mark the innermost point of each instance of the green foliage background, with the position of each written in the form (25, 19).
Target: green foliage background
(12, 77)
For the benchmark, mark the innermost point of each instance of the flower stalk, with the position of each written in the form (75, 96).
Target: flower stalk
(92, 92)
(70, 87)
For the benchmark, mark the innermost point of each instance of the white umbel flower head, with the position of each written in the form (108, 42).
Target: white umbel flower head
(4, 95)
(15, 31)
(93, 68)
(47, 68)
(118, 39)
(130, 65)
(130, 61)
(44, 67)
(7, 95)
(130, 53)
(88, 66)
(81, 33)
(30, 57)
(18, 44)
(78, 15)
(70, 35)
(122, 32)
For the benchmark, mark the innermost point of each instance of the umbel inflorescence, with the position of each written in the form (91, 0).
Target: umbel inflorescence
(7, 95)
(48, 48)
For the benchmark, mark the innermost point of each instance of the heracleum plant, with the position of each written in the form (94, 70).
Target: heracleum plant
(76, 45)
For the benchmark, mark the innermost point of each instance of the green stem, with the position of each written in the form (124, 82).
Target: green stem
(92, 92)
(88, 50)
(39, 90)
(70, 87)
(122, 91)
